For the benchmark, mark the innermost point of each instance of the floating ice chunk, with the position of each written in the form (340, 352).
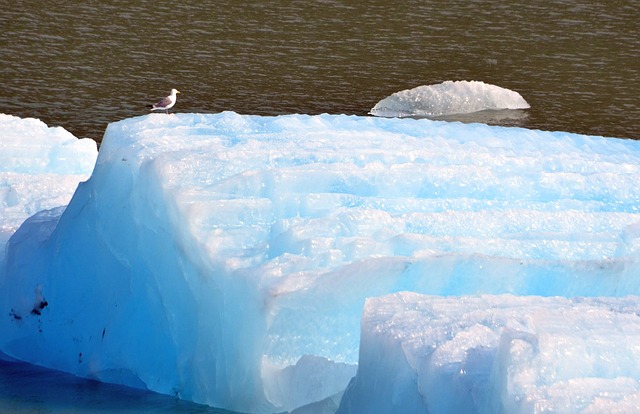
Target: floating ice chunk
(497, 354)
(226, 259)
(448, 98)
(40, 168)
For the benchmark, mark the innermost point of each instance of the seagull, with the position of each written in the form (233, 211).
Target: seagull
(165, 103)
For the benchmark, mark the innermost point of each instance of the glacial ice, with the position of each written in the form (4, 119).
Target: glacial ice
(448, 98)
(226, 259)
(497, 354)
(40, 168)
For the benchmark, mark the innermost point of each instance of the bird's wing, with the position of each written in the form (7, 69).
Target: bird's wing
(163, 102)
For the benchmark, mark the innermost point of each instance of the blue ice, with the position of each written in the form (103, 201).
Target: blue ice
(227, 259)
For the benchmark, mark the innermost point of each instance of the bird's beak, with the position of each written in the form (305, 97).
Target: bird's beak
(177, 91)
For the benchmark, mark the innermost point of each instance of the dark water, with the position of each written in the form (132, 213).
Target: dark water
(84, 64)
(29, 389)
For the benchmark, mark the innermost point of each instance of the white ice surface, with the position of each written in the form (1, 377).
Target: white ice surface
(40, 168)
(497, 354)
(448, 98)
(226, 259)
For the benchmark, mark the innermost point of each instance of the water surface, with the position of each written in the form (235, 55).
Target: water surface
(25, 388)
(83, 65)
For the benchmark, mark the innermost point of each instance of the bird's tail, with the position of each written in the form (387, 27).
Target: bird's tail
(150, 106)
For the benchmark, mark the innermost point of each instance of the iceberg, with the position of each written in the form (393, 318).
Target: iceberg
(451, 98)
(226, 259)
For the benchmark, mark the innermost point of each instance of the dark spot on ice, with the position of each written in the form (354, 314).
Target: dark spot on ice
(80, 358)
(14, 315)
(39, 306)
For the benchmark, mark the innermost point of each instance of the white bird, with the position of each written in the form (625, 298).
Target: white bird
(165, 103)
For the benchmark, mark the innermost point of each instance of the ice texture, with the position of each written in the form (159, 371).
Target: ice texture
(497, 354)
(40, 168)
(226, 258)
(448, 98)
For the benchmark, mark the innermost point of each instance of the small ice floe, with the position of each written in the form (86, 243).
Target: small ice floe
(448, 100)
